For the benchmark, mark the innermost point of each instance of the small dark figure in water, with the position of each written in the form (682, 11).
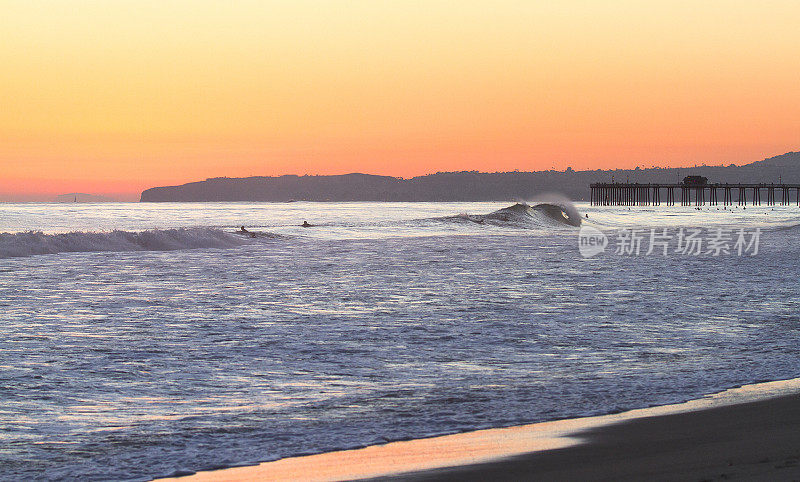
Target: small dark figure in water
(243, 230)
(306, 225)
(587, 215)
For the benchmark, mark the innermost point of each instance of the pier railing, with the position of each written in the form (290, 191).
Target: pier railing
(636, 194)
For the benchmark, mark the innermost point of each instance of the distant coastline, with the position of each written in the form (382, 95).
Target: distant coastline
(456, 186)
(82, 197)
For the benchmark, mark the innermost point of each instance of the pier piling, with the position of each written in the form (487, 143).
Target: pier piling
(640, 194)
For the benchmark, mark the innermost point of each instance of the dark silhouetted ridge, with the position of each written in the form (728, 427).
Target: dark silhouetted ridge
(459, 186)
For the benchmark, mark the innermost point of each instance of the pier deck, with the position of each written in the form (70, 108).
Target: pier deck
(636, 194)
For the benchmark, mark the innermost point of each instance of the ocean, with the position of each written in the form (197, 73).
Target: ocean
(141, 340)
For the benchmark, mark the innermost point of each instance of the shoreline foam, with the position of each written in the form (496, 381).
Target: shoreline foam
(420, 458)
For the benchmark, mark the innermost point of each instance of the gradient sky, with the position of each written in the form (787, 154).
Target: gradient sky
(114, 96)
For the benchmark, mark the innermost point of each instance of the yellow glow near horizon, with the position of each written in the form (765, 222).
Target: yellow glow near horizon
(114, 97)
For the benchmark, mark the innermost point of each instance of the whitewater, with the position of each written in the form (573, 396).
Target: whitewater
(140, 340)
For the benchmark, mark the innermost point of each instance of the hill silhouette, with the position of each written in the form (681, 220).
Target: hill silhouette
(459, 186)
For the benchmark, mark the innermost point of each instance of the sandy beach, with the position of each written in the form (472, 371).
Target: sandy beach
(753, 441)
(751, 432)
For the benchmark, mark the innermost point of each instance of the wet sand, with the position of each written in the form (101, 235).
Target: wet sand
(752, 441)
(750, 433)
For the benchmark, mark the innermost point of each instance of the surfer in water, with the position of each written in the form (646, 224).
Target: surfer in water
(244, 231)
(306, 225)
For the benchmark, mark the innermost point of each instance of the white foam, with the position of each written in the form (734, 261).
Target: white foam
(35, 243)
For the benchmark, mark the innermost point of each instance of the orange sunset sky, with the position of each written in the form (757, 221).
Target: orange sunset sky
(115, 96)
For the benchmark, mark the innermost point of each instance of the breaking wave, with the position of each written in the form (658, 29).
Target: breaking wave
(526, 215)
(34, 243)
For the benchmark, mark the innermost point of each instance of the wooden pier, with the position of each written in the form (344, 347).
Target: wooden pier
(693, 190)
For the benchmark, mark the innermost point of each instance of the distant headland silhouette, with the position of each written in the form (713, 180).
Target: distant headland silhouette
(458, 186)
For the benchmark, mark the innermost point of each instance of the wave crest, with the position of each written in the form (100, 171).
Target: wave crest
(543, 215)
(32, 243)
(542, 212)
